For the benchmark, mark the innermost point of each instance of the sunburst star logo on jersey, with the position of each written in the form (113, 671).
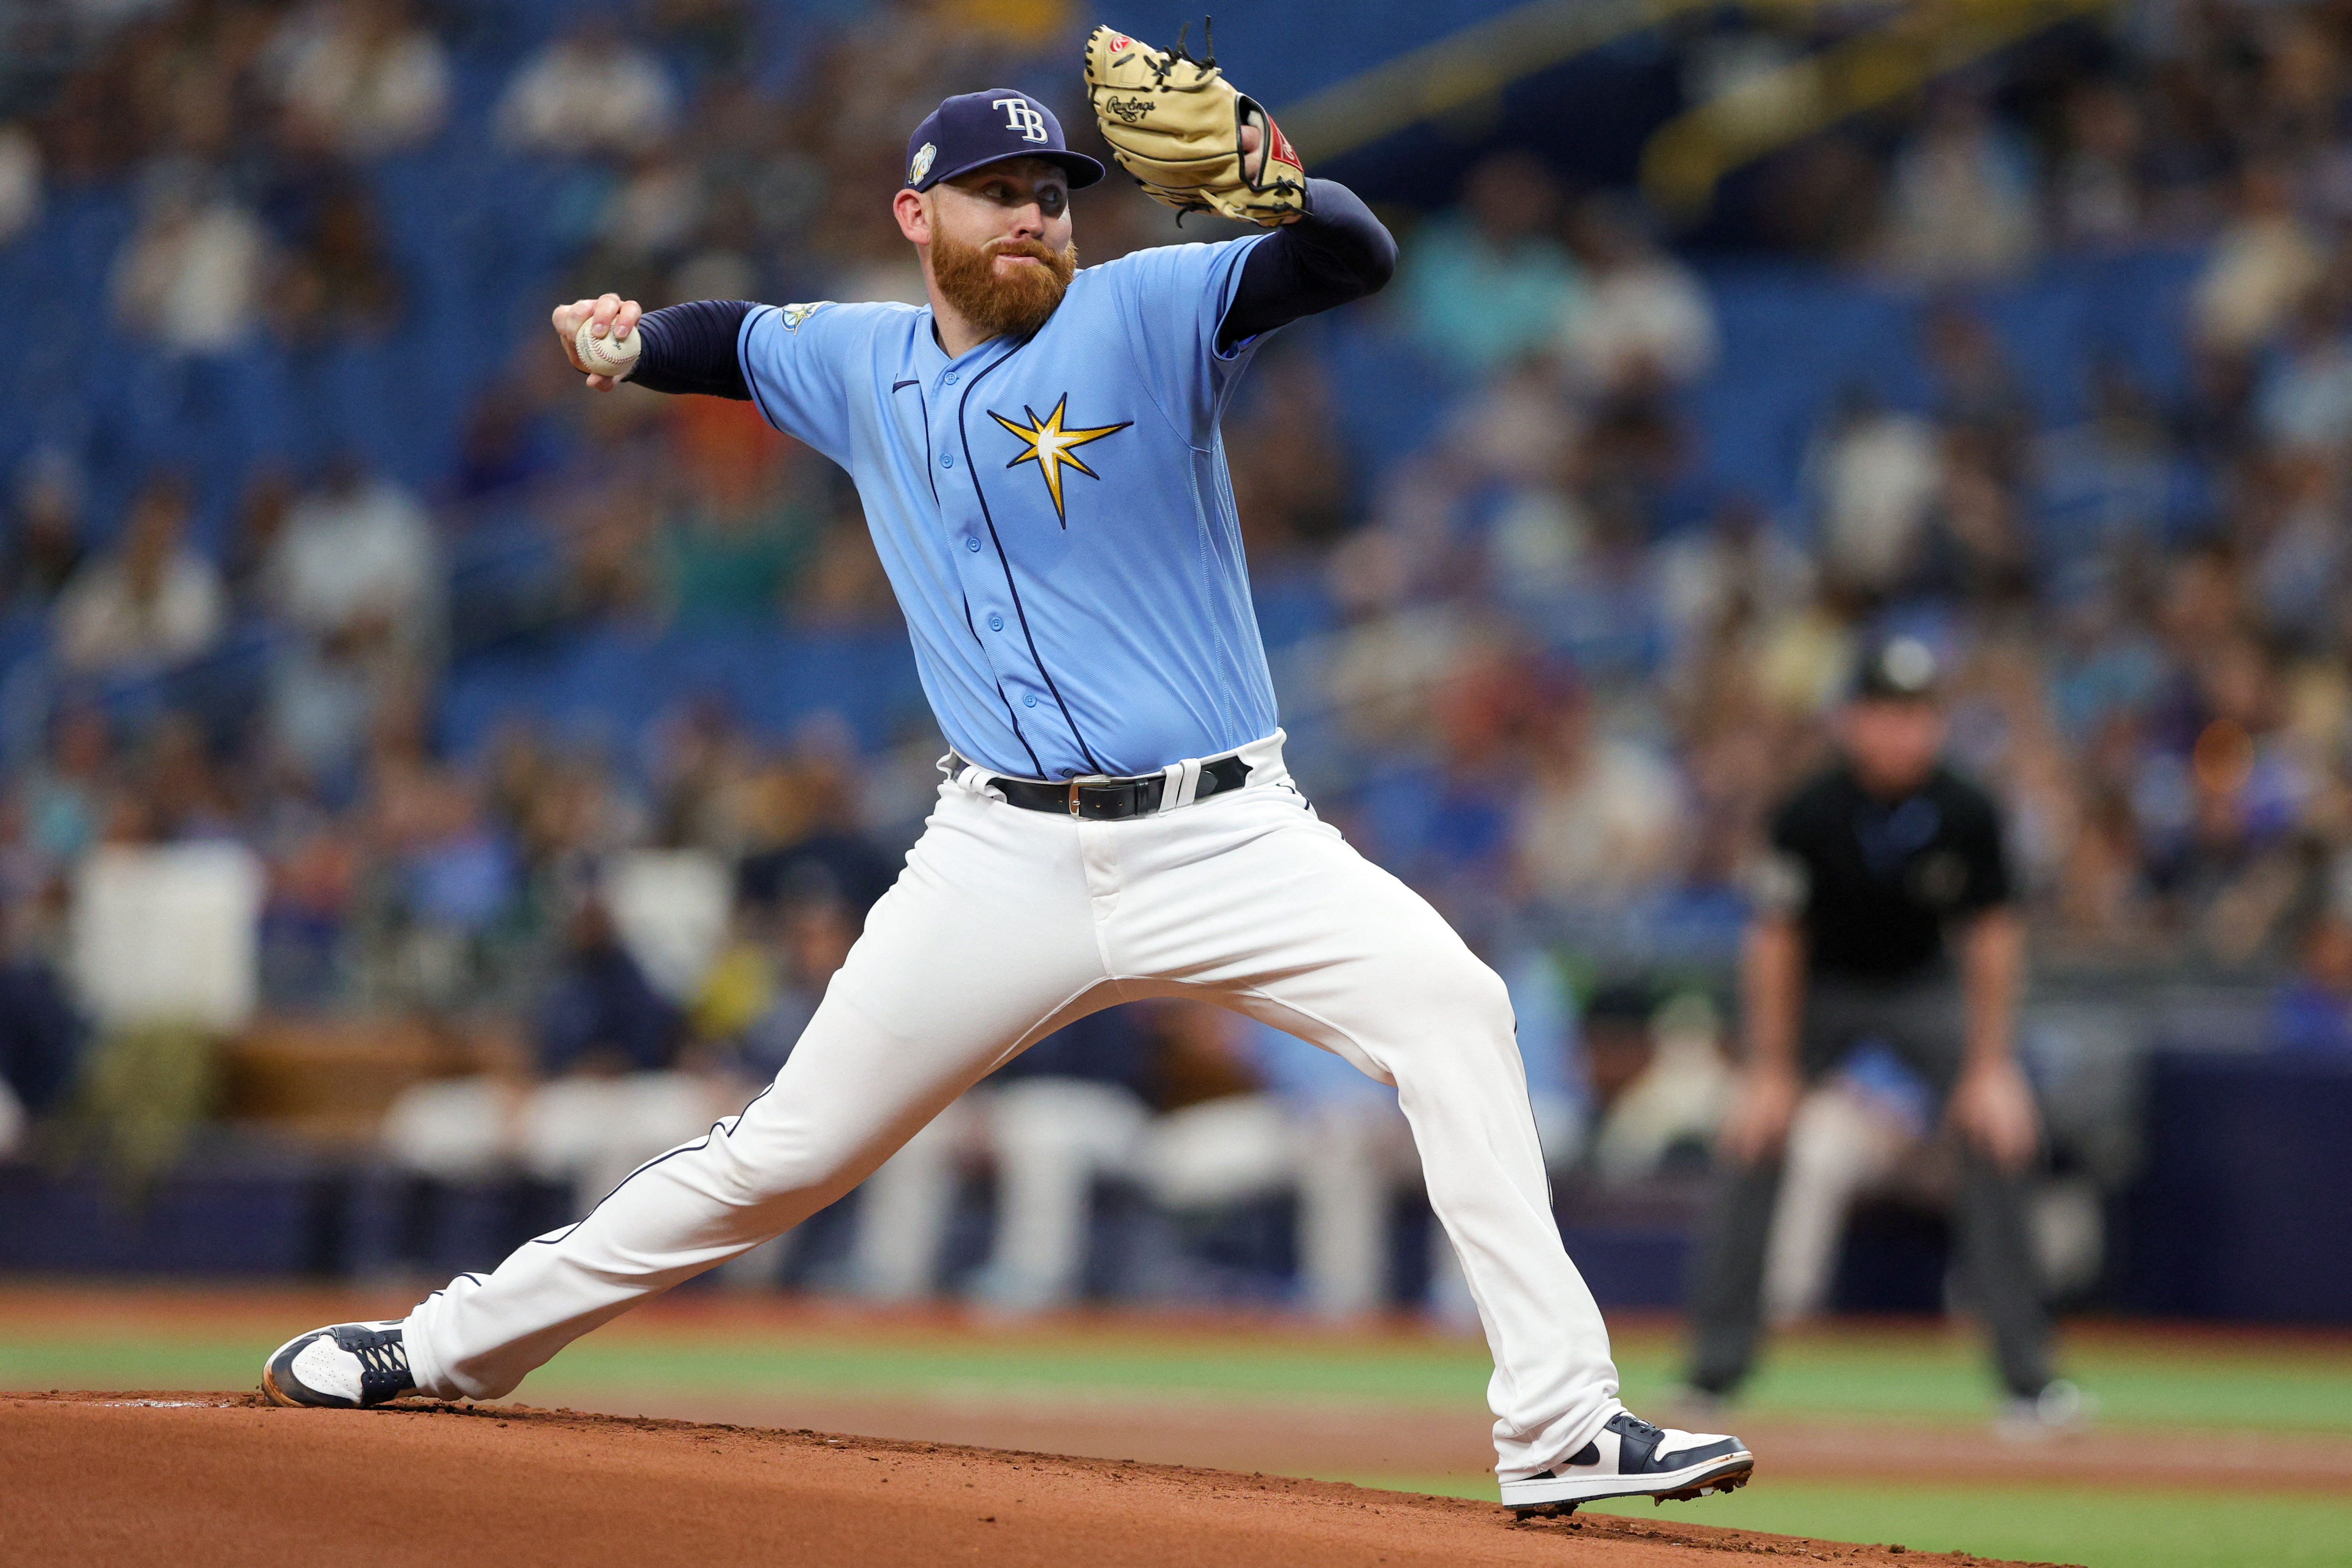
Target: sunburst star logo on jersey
(1051, 447)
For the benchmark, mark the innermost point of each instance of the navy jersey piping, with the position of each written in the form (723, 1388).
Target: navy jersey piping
(963, 434)
(930, 477)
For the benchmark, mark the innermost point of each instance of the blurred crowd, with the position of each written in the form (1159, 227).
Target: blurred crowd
(1532, 655)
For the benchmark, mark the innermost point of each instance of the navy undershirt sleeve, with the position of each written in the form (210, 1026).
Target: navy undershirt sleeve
(1337, 253)
(691, 348)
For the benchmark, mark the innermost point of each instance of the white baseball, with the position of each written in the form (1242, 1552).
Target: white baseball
(608, 355)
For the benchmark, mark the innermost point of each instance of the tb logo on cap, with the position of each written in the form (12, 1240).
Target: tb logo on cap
(1022, 115)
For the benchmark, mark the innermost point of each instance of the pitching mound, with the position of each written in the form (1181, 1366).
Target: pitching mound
(190, 1480)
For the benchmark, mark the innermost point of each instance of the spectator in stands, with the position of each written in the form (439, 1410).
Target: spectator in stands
(1608, 820)
(2304, 398)
(763, 988)
(813, 844)
(20, 181)
(356, 559)
(1961, 195)
(2098, 195)
(188, 798)
(360, 74)
(1489, 286)
(2262, 266)
(441, 878)
(621, 1083)
(41, 1033)
(1874, 474)
(1976, 388)
(44, 546)
(592, 92)
(353, 569)
(2313, 1012)
(651, 217)
(149, 603)
(1663, 1121)
(335, 283)
(1646, 321)
(191, 277)
(64, 795)
(313, 873)
(601, 1014)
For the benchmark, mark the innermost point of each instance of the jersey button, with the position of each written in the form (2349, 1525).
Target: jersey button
(971, 541)
(947, 460)
(997, 622)
(951, 377)
(1028, 699)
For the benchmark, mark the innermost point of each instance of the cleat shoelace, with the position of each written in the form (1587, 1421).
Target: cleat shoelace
(383, 1363)
(384, 1360)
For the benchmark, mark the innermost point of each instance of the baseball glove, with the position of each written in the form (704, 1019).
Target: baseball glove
(1175, 123)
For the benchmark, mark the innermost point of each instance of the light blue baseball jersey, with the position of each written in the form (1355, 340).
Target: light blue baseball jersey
(1054, 511)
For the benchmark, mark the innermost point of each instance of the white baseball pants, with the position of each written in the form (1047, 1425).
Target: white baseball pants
(1008, 923)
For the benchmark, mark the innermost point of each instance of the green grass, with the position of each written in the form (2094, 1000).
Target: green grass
(2138, 1382)
(2098, 1528)
(69, 1359)
(1902, 1373)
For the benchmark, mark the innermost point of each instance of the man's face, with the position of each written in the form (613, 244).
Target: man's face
(1892, 742)
(998, 240)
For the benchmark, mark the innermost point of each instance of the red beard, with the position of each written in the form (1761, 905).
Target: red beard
(1001, 306)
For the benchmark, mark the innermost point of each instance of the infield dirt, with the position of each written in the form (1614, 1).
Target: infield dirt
(194, 1480)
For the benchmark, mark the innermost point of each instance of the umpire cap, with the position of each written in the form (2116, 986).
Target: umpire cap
(986, 126)
(1897, 670)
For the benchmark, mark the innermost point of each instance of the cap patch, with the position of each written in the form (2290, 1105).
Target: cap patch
(920, 165)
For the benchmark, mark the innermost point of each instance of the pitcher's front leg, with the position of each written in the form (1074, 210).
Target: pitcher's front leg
(983, 939)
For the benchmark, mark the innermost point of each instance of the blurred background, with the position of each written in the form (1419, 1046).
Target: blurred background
(430, 790)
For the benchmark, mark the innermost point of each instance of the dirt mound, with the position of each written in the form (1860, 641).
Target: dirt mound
(190, 1480)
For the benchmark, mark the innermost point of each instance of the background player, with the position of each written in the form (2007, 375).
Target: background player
(1040, 462)
(1871, 861)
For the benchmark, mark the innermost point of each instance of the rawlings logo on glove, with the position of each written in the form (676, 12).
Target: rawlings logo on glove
(1175, 123)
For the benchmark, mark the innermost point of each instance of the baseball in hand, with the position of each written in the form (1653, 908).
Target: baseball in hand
(610, 356)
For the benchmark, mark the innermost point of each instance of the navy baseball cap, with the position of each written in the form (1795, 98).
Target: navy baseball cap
(1897, 670)
(976, 127)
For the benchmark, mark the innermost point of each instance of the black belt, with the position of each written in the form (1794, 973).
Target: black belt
(1115, 800)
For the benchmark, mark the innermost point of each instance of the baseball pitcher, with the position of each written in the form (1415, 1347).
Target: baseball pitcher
(1038, 456)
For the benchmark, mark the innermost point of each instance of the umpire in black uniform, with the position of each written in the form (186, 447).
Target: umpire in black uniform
(1884, 912)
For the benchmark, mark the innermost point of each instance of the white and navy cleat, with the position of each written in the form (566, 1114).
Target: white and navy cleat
(345, 1366)
(1632, 1459)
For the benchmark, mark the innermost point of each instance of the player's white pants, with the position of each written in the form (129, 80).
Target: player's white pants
(1007, 924)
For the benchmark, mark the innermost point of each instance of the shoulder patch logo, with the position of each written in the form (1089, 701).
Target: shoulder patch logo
(794, 315)
(925, 155)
